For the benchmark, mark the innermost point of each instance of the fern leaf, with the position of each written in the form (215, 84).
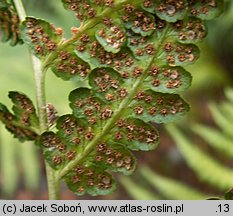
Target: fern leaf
(221, 120)
(170, 188)
(229, 94)
(9, 23)
(41, 36)
(136, 191)
(206, 167)
(216, 139)
(227, 109)
(24, 123)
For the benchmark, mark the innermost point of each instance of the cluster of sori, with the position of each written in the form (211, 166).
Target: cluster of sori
(23, 108)
(158, 105)
(85, 9)
(92, 176)
(24, 121)
(9, 23)
(43, 36)
(90, 180)
(69, 65)
(177, 9)
(52, 142)
(137, 134)
(114, 157)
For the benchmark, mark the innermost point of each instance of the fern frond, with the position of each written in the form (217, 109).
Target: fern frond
(9, 23)
(215, 138)
(170, 188)
(221, 119)
(206, 167)
(229, 94)
(227, 109)
(136, 191)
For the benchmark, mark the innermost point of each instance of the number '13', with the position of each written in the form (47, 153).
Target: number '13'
(223, 208)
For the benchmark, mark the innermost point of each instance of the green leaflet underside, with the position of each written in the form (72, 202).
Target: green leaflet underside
(132, 54)
(9, 23)
(42, 37)
(24, 122)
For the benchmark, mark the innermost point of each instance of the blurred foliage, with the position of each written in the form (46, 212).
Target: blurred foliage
(170, 188)
(166, 188)
(205, 166)
(137, 191)
(9, 23)
(229, 195)
(17, 161)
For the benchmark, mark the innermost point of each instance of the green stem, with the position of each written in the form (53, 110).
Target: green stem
(20, 9)
(39, 76)
(53, 185)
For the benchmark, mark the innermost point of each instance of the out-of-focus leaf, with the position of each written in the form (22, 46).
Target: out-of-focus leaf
(221, 120)
(28, 156)
(8, 168)
(170, 188)
(215, 138)
(136, 191)
(206, 167)
(9, 23)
